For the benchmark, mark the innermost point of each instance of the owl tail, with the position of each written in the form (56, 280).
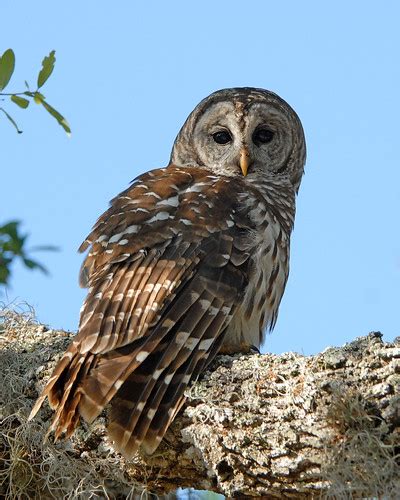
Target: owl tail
(63, 391)
(145, 380)
(152, 394)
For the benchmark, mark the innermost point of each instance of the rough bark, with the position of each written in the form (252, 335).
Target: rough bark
(287, 426)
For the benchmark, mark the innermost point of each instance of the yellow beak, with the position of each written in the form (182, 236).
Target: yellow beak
(244, 161)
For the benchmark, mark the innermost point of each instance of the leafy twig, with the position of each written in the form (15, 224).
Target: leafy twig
(13, 245)
(21, 99)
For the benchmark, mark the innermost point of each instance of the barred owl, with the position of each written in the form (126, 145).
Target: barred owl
(190, 260)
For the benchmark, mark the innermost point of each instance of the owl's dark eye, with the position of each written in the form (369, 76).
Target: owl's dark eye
(262, 136)
(222, 137)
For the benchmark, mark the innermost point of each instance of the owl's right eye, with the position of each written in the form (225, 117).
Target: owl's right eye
(222, 137)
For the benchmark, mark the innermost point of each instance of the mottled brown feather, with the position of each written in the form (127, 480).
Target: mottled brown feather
(185, 262)
(135, 299)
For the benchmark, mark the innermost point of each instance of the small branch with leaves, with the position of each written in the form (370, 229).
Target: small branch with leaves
(12, 246)
(23, 99)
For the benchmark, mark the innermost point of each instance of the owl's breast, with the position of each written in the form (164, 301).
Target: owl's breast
(267, 275)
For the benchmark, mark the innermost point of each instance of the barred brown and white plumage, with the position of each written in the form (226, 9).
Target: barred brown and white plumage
(190, 260)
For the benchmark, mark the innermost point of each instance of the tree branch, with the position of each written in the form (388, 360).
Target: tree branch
(287, 426)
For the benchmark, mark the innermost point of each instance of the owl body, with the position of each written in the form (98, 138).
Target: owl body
(268, 269)
(189, 261)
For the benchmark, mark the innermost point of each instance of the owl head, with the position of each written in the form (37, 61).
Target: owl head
(246, 132)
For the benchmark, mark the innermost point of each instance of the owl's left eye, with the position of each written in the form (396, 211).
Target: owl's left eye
(262, 136)
(222, 137)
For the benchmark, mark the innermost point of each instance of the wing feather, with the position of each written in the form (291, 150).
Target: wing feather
(120, 362)
(162, 290)
(162, 408)
(130, 422)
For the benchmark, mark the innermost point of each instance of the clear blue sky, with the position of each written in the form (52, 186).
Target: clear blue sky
(127, 75)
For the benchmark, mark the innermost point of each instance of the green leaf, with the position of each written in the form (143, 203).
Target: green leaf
(33, 264)
(11, 228)
(61, 120)
(11, 120)
(12, 247)
(11, 240)
(26, 84)
(4, 274)
(38, 97)
(20, 101)
(47, 68)
(7, 64)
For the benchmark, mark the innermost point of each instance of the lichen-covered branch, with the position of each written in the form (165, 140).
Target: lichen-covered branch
(287, 426)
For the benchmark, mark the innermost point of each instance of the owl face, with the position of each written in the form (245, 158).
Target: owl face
(243, 132)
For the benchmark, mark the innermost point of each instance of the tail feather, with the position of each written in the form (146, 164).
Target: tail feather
(105, 379)
(171, 353)
(174, 398)
(67, 417)
(63, 392)
(52, 388)
(157, 398)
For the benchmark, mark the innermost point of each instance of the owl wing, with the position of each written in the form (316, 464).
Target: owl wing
(166, 270)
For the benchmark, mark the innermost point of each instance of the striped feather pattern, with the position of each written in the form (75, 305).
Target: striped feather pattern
(153, 314)
(187, 262)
